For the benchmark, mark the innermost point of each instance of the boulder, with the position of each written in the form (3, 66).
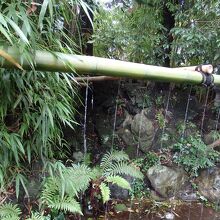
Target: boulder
(143, 131)
(209, 184)
(142, 126)
(167, 181)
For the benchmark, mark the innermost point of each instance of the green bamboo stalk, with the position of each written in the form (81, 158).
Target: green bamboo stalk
(60, 62)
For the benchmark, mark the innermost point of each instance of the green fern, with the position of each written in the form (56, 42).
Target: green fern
(60, 190)
(112, 156)
(66, 204)
(105, 192)
(77, 178)
(113, 164)
(36, 216)
(9, 211)
(52, 197)
(120, 181)
(123, 168)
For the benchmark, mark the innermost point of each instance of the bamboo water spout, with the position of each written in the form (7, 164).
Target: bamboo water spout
(60, 62)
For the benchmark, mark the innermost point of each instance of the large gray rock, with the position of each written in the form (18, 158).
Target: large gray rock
(167, 181)
(142, 126)
(143, 130)
(209, 184)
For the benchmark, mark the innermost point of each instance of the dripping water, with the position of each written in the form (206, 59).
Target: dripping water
(189, 214)
(113, 134)
(165, 115)
(140, 127)
(217, 120)
(204, 111)
(115, 114)
(186, 112)
(130, 214)
(85, 119)
(201, 212)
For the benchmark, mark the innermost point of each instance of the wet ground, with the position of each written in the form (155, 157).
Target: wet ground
(157, 211)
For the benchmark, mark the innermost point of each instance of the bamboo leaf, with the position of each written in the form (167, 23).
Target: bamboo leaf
(5, 33)
(18, 31)
(86, 9)
(50, 116)
(42, 13)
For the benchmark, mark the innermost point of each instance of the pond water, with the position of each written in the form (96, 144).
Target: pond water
(184, 211)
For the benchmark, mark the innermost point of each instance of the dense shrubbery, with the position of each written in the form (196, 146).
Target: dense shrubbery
(193, 154)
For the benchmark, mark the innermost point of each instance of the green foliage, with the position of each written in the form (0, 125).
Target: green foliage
(35, 106)
(117, 162)
(42, 105)
(133, 34)
(118, 180)
(193, 155)
(9, 211)
(105, 192)
(196, 40)
(139, 188)
(37, 216)
(113, 164)
(138, 33)
(160, 119)
(60, 190)
(38, 27)
(148, 160)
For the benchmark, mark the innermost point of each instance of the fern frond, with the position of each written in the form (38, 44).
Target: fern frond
(66, 204)
(9, 211)
(77, 178)
(120, 181)
(123, 168)
(112, 156)
(105, 192)
(50, 190)
(36, 216)
(51, 196)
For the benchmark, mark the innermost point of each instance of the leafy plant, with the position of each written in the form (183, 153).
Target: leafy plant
(139, 188)
(37, 216)
(8, 211)
(60, 190)
(193, 155)
(35, 106)
(113, 165)
(127, 41)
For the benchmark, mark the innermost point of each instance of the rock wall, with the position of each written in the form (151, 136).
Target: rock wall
(137, 117)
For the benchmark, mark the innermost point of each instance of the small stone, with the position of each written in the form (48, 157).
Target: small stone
(169, 216)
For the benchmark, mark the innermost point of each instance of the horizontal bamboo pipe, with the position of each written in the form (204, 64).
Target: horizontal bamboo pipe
(60, 62)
